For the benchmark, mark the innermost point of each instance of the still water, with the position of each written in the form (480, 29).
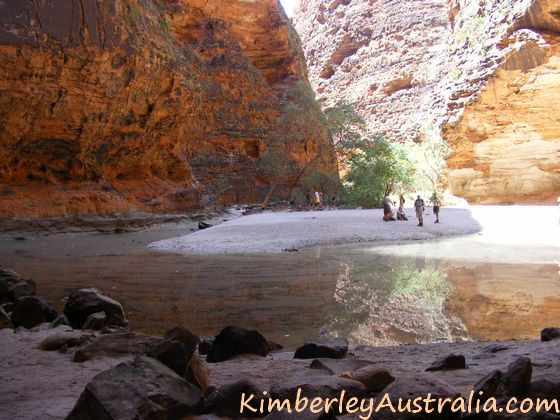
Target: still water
(362, 292)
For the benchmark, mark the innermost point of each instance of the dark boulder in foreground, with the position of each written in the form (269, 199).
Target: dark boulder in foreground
(319, 386)
(5, 321)
(60, 339)
(518, 376)
(373, 377)
(232, 341)
(337, 366)
(142, 389)
(226, 400)
(419, 385)
(31, 311)
(85, 302)
(549, 334)
(493, 385)
(116, 345)
(176, 349)
(543, 388)
(13, 286)
(331, 348)
(450, 362)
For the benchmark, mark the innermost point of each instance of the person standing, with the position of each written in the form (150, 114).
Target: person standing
(437, 205)
(317, 197)
(419, 207)
(401, 201)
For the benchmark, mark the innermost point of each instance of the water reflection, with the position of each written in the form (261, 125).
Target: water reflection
(387, 302)
(371, 298)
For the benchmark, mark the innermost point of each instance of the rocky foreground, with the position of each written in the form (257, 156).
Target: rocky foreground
(86, 364)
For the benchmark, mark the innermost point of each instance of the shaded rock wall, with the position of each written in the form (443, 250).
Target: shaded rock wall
(112, 106)
(414, 68)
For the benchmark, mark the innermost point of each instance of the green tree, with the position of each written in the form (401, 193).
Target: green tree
(429, 154)
(345, 128)
(301, 115)
(376, 168)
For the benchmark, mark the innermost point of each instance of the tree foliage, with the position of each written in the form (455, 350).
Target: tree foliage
(301, 114)
(376, 168)
(429, 155)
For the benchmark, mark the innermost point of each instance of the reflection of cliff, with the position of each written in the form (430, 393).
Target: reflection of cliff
(504, 301)
(384, 305)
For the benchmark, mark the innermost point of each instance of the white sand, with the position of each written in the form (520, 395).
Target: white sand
(40, 384)
(46, 385)
(275, 232)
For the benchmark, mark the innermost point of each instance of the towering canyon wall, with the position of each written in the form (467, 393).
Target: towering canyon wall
(150, 105)
(481, 73)
(506, 145)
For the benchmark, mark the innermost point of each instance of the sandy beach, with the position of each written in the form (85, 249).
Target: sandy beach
(277, 232)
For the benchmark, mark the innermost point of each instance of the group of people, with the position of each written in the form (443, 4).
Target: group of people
(419, 208)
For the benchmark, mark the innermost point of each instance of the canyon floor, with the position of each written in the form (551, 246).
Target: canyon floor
(528, 233)
(46, 385)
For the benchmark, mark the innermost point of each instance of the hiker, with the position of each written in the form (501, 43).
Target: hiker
(401, 215)
(318, 197)
(401, 201)
(437, 205)
(419, 207)
(387, 211)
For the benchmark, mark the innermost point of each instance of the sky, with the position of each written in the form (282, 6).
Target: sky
(289, 6)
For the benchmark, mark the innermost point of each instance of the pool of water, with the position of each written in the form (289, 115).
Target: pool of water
(367, 293)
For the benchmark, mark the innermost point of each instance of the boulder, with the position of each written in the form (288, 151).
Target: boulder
(492, 385)
(176, 349)
(30, 311)
(59, 339)
(13, 286)
(198, 374)
(141, 389)
(450, 362)
(543, 388)
(85, 302)
(5, 321)
(60, 320)
(232, 341)
(493, 348)
(373, 377)
(419, 385)
(332, 348)
(518, 376)
(337, 366)
(549, 334)
(96, 321)
(320, 386)
(205, 345)
(116, 345)
(225, 401)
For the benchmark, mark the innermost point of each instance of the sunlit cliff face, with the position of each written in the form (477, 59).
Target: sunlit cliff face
(484, 71)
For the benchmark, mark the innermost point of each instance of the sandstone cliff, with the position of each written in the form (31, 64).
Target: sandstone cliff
(484, 71)
(150, 105)
(506, 146)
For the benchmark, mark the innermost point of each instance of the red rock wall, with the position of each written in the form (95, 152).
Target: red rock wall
(111, 106)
